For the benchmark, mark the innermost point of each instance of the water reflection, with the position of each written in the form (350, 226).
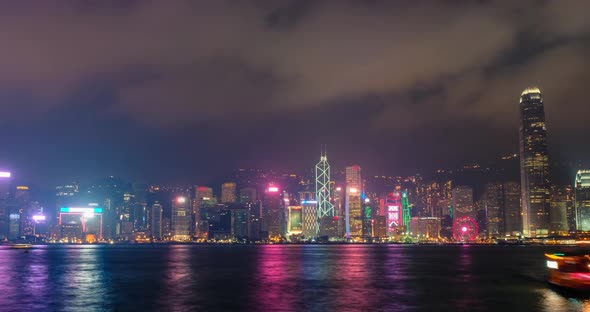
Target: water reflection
(83, 282)
(178, 280)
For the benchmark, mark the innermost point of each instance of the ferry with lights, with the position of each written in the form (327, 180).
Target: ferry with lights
(570, 270)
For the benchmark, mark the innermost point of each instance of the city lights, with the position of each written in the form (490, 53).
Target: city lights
(273, 189)
(39, 218)
(181, 200)
(5, 174)
(82, 210)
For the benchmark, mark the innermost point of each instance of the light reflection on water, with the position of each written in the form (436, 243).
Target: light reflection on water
(279, 278)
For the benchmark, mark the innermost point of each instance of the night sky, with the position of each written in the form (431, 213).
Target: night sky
(183, 91)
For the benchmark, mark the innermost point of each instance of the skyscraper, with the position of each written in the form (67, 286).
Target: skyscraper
(228, 192)
(156, 225)
(494, 207)
(181, 219)
(462, 201)
(247, 195)
(582, 189)
(273, 219)
(534, 164)
(322, 187)
(512, 210)
(353, 201)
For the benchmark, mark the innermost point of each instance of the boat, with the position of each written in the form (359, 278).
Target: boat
(20, 246)
(569, 270)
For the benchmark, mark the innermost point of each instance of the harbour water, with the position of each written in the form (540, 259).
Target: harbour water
(279, 278)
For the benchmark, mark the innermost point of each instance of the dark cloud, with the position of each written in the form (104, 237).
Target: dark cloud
(412, 67)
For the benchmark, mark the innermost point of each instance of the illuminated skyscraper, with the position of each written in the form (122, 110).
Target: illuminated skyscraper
(582, 189)
(494, 208)
(273, 219)
(462, 201)
(156, 224)
(534, 164)
(353, 208)
(181, 219)
(353, 178)
(203, 200)
(561, 200)
(228, 192)
(394, 212)
(354, 218)
(309, 214)
(322, 188)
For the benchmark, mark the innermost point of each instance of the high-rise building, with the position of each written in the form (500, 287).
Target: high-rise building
(328, 224)
(512, 209)
(156, 218)
(353, 178)
(462, 202)
(494, 207)
(354, 218)
(228, 193)
(534, 164)
(560, 200)
(180, 222)
(354, 189)
(394, 212)
(273, 219)
(203, 199)
(582, 197)
(247, 195)
(309, 214)
(295, 221)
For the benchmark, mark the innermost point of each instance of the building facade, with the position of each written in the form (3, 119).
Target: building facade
(582, 200)
(534, 164)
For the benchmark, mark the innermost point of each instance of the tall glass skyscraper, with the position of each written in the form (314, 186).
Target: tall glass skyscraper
(534, 164)
(583, 200)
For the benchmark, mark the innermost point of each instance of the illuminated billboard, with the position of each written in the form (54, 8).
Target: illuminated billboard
(84, 210)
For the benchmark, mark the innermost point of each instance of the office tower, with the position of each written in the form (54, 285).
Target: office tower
(240, 220)
(339, 210)
(273, 212)
(367, 219)
(138, 216)
(247, 195)
(560, 200)
(328, 224)
(569, 192)
(512, 209)
(309, 214)
(394, 212)
(5, 180)
(494, 209)
(156, 224)
(406, 211)
(203, 198)
(534, 164)
(228, 192)
(353, 178)
(582, 200)
(353, 208)
(180, 222)
(354, 218)
(295, 220)
(462, 202)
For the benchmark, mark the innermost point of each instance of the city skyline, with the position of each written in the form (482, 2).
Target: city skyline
(148, 105)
